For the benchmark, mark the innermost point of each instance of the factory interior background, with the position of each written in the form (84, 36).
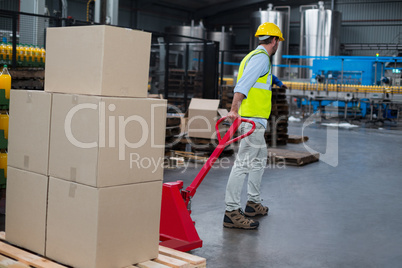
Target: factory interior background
(333, 180)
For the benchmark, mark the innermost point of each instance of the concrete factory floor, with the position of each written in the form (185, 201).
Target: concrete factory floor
(343, 211)
(324, 214)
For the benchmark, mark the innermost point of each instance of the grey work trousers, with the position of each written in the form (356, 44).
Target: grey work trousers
(251, 159)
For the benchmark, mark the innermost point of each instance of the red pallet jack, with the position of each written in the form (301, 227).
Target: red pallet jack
(177, 229)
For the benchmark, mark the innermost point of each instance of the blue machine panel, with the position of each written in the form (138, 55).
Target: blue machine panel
(354, 71)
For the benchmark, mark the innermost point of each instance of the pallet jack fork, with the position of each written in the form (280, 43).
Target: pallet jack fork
(177, 229)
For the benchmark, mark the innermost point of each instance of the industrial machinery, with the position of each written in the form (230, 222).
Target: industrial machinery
(352, 86)
(31, 27)
(226, 40)
(177, 230)
(347, 70)
(179, 43)
(281, 19)
(351, 70)
(319, 35)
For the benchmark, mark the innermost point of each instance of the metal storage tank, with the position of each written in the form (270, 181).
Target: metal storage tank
(192, 31)
(226, 40)
(319, 35)
(281, 19)
(198, 31)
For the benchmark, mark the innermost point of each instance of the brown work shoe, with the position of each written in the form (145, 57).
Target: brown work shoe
(255, 209)
(237, 219)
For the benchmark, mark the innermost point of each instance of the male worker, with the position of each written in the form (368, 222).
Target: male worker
(276, 81)
(252, 100)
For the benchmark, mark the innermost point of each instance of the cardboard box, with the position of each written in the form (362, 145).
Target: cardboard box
(26, 209)
(202, 117)
(109, 227)
(155, 96)
(106, 141)
(183, 123)
(97, 60)
(29, 130)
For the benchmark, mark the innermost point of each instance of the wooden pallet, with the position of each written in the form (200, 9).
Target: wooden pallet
(198, 141)
(200, 146)
(190, 156)
(14, 257)
(172, 131)
(173, 121)
(297, 139)
(173, 162)
(27, 73)
(172, 258)
(28, 78)
(293, 158)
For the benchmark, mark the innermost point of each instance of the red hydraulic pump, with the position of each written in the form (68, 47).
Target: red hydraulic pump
(177, 229)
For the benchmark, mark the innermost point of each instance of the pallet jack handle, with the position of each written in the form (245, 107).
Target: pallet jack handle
(235, 125)
(223, 142)
(177, 229)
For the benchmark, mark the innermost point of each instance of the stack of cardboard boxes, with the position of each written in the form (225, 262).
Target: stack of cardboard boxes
(202, 117)
(86, 155)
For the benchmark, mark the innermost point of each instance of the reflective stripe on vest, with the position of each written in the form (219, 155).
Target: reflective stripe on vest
(258, 102)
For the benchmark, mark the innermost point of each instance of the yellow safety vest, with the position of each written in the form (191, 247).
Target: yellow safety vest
(258, 102)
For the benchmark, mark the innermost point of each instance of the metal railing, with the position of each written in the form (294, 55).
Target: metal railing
(28, 28)
(195, 55)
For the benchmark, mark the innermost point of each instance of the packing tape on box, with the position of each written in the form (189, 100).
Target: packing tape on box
(26, 161)
(29, 97)
(73, 174)
(72, 190)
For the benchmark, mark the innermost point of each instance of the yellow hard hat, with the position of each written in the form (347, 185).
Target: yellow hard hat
(269, 29)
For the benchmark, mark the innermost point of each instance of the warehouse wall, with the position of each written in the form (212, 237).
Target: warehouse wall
(135, 14)
(9, 5)
(371, 22)
(6, 23)
(139, 15)
(363, 21)
(76, 8)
